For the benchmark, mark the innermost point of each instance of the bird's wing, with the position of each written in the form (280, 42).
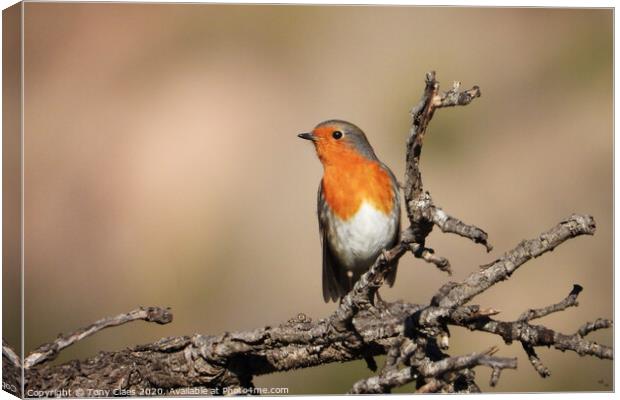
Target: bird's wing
(391, 276)
(335, 280)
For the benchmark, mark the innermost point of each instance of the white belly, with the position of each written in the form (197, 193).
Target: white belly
(360, 239)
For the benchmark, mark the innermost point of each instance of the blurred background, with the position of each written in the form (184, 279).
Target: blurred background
(162, 165)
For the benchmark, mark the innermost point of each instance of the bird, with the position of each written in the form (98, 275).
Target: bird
(358, 206)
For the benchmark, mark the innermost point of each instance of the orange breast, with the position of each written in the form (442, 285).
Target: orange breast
(351, 179)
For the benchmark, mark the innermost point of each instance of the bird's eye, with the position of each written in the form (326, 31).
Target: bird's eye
(337, 135)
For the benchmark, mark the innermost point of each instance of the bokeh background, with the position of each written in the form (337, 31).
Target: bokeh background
(162, 165)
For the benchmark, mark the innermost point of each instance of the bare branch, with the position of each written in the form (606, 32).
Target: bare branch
(385, 382)
(393, 355)
(451, 364)
(414, 337)
(49, 351)
(421, 211)
(431, 386)
(431, 369)
(371, 363)
(495, 374)
(429, 256)
(505, 266)
(449, 224)
(231, 359)
(469, 313)
(454, 97)
(569, 301)
(594, 326)
(535, 361)
(537, 335)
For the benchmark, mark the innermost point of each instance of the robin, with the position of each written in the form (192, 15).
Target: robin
(358, 206)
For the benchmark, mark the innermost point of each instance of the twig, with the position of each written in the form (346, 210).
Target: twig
(594, 326)
(421, 211)
(504, 267)
(569, 301)
(495, 374)
(451, 364)
(535, 361)
(449, 224)
(49, 351)
(429, 256)
(454, 97)
(431, 369)
(431, 386)
(371, 363)
(383, 383)
(537, 335)
(393, 355)
(470, 313)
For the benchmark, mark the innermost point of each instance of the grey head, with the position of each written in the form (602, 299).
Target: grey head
(336, 129)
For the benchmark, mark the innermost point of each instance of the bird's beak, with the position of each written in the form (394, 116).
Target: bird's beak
(307, 136)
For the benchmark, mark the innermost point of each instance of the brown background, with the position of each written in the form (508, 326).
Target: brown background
(163, 167)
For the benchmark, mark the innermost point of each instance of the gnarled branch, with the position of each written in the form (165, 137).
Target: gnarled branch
(49, 351)
(413, 336)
